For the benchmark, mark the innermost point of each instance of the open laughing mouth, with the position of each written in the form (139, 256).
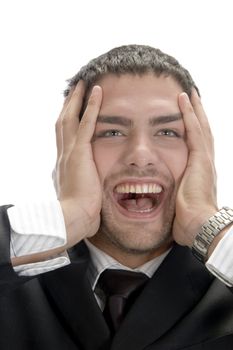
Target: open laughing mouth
(140, 199)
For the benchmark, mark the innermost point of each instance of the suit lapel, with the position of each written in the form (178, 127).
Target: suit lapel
(74, 300)
(174, 289)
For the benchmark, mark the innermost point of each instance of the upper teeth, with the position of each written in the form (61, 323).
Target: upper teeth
(139, 188)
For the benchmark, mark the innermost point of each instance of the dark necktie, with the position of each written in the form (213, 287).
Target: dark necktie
(121, 288)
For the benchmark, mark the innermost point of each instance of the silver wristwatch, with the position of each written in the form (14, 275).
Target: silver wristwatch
(209, 231)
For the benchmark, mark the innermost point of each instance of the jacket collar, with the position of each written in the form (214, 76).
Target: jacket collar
(74, 300)
(175, 288)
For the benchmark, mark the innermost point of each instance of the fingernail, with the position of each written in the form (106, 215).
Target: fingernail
(186, 98)
(95, 89)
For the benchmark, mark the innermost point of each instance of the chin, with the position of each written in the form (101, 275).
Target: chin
(135, 240)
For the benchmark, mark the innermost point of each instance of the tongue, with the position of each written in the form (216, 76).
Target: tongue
(138, 204)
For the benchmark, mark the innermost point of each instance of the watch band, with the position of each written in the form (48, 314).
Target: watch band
(209, 231)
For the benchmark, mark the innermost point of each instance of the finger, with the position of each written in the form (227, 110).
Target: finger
(68, 97)
(198, 109)
(88, 121)
(202, 117)
(58, 125)
(73, 103)
(70, 118)
(65, 104)
(194, 134)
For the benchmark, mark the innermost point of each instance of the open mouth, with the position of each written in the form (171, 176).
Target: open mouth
(138, 198)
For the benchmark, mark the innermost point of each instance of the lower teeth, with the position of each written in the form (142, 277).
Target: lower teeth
(140, 211)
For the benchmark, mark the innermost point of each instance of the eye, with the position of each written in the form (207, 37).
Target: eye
(109, 133)
(168, 133)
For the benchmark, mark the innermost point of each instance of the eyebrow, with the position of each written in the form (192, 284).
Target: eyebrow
(114, 120)
(164, 119)
(124, 121)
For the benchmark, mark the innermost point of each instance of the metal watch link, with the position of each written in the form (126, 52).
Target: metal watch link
(209, 231)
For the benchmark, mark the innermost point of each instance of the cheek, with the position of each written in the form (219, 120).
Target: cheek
(105, 160)
(177, 161)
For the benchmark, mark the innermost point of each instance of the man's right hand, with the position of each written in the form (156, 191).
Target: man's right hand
(75, 175)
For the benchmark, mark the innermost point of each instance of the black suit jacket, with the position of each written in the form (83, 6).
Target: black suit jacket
(182, 307)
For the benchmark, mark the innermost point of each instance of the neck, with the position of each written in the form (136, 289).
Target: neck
(127, 257)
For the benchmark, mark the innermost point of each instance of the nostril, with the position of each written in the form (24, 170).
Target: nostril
(141, 163)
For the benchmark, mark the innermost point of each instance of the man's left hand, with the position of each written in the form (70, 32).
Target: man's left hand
(196, 197)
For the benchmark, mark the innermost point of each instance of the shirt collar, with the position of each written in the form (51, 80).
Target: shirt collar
(101, 261)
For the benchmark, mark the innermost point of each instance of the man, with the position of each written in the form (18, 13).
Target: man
(136, 185)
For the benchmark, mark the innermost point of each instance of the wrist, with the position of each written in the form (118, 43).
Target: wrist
(78, 223)
(195, 224)
(211, 233)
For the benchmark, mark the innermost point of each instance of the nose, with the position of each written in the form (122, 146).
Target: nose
(140, 153)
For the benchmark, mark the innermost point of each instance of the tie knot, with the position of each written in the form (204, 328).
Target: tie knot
(121, 282)
(121, 288)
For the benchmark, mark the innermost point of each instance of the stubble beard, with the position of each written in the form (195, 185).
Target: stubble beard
(136, 238)
(132, 237)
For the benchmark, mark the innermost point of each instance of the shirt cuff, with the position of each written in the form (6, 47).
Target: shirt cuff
(220, 263)
(33, 269)
(35, 228)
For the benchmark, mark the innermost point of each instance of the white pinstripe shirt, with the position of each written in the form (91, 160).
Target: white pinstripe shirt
(37, 227)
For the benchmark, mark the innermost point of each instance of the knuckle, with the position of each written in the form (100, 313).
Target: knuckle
(76, 93)
(190, 108)
(58, 125)
(67, 118)
(54, 174)
(92, 101)
(85, 123)
(64, 122)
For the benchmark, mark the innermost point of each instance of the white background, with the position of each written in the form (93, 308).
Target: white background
(44, 42)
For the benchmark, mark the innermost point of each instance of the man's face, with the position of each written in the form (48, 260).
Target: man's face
(140, 152)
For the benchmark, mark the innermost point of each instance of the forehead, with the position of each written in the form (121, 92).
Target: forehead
(130, 94)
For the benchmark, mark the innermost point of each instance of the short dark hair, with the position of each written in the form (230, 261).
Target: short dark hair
(133, 59)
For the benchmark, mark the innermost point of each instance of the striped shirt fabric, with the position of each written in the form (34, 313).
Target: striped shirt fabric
(40, 226)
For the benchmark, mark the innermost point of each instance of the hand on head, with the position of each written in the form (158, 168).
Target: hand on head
(196, 197)
(75, 176)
